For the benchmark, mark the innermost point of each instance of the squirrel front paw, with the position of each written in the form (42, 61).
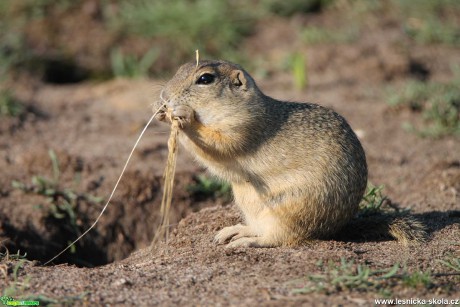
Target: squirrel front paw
(161, 113)
(184, 114)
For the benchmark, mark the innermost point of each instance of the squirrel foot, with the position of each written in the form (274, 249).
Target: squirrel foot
(233, 233)
(250, 242)
(241, 236)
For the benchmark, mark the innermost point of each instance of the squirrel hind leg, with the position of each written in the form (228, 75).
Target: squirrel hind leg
(265, 230)
(233, 233)
(251, 242)
(240, 236)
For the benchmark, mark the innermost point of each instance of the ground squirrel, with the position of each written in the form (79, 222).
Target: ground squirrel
(297, 170)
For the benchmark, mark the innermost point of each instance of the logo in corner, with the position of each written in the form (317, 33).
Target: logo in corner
(9, 301)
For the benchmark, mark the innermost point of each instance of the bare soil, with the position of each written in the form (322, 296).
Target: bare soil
(92, 126)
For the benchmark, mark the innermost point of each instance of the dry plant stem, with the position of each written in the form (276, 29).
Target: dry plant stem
(113, 191)
(168, 176)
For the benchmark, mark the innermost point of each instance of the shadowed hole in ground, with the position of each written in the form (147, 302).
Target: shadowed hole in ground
(61, 71)
(128, 224)
(418, 70)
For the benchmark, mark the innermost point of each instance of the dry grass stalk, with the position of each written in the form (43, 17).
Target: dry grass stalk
(168, 176)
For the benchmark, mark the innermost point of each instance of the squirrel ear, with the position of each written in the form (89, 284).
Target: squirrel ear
(238, 79)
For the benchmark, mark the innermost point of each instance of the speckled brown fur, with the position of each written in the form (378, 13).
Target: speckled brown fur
(297, 170)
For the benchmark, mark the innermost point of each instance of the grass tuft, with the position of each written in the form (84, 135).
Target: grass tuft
(216, 28)
(298, 67)
(453, 263)
(312, 35)
(62, 202)
(418, 279)
(439, 104)
(129, 66)
(9, 106)
(7, 256)
(346, 275)
(431, 22)
(373, 199)
(210, 187)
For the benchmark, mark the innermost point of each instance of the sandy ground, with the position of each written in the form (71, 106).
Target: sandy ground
(91, 128)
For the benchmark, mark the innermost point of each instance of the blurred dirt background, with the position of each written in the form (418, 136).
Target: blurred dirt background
(77, 82)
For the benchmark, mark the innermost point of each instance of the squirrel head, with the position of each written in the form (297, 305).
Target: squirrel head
(215, 90)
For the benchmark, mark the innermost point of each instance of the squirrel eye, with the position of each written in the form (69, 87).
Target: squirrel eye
(205, 79)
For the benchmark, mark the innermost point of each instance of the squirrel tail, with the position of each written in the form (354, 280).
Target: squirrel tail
(403, 227)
